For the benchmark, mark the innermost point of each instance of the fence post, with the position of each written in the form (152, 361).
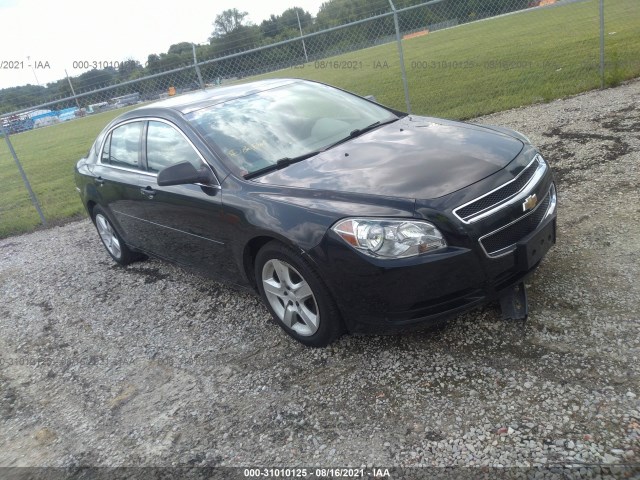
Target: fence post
(601, 43)
(73, 92)
(197, 67)
(304, 47)
(401, 55)
(34, 199)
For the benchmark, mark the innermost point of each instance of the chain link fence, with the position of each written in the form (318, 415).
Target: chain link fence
(450, 58)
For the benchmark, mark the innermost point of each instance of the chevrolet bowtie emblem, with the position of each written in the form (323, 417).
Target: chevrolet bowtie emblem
(530, 203)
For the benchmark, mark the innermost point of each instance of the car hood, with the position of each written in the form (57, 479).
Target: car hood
(415, 157)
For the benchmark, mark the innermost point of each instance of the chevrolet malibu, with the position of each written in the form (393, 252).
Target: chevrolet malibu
(342, 214)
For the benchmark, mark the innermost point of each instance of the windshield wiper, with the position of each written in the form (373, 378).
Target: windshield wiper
(285, 162)
(282, 163)
(359, 131)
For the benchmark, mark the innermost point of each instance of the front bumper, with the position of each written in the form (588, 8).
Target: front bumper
(380, 296)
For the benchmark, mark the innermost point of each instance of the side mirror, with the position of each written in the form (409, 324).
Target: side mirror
(371, 98)
(183, 174)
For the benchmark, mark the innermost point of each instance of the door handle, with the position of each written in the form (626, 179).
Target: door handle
(99, 181)
(148, 192)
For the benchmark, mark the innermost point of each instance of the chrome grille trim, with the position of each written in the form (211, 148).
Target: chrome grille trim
(510, 200)
(550, 200)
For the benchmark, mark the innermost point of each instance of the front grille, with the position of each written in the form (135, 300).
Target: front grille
(499, 195)
(510, 235)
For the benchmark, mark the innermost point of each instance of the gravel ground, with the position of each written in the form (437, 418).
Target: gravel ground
(153, 366)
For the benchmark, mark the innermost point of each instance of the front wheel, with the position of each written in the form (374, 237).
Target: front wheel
(296, 296)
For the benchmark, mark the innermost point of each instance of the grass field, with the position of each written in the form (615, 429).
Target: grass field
(48, 156)
(496, 64)
(462, 72)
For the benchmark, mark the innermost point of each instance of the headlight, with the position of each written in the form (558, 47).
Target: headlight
(390, 238)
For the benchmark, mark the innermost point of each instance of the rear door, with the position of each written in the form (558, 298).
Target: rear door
(117, 179)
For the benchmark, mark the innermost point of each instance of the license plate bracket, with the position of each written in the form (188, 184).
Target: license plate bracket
(533, 248)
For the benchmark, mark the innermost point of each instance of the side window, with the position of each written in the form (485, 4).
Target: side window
(122, 147)
(166, 146)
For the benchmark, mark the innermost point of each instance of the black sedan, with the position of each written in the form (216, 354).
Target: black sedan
(344, 215)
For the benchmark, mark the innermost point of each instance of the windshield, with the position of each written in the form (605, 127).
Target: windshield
(256, 131)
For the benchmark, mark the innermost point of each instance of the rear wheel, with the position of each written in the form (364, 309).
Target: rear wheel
(296, 296)
(111, 240)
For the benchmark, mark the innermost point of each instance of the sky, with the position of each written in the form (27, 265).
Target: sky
(39, 39)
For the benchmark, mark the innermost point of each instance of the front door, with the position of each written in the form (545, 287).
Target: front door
(186, 220)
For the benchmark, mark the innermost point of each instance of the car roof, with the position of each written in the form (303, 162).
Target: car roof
(191, 102)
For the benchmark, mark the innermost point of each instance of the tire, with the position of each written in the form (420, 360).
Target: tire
(111, 239)
(296, 296)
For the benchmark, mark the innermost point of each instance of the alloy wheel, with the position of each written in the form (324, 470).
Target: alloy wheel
(290, 297)
(108, 236)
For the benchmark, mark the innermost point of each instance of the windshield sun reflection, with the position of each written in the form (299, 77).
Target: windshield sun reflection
(284, 123)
